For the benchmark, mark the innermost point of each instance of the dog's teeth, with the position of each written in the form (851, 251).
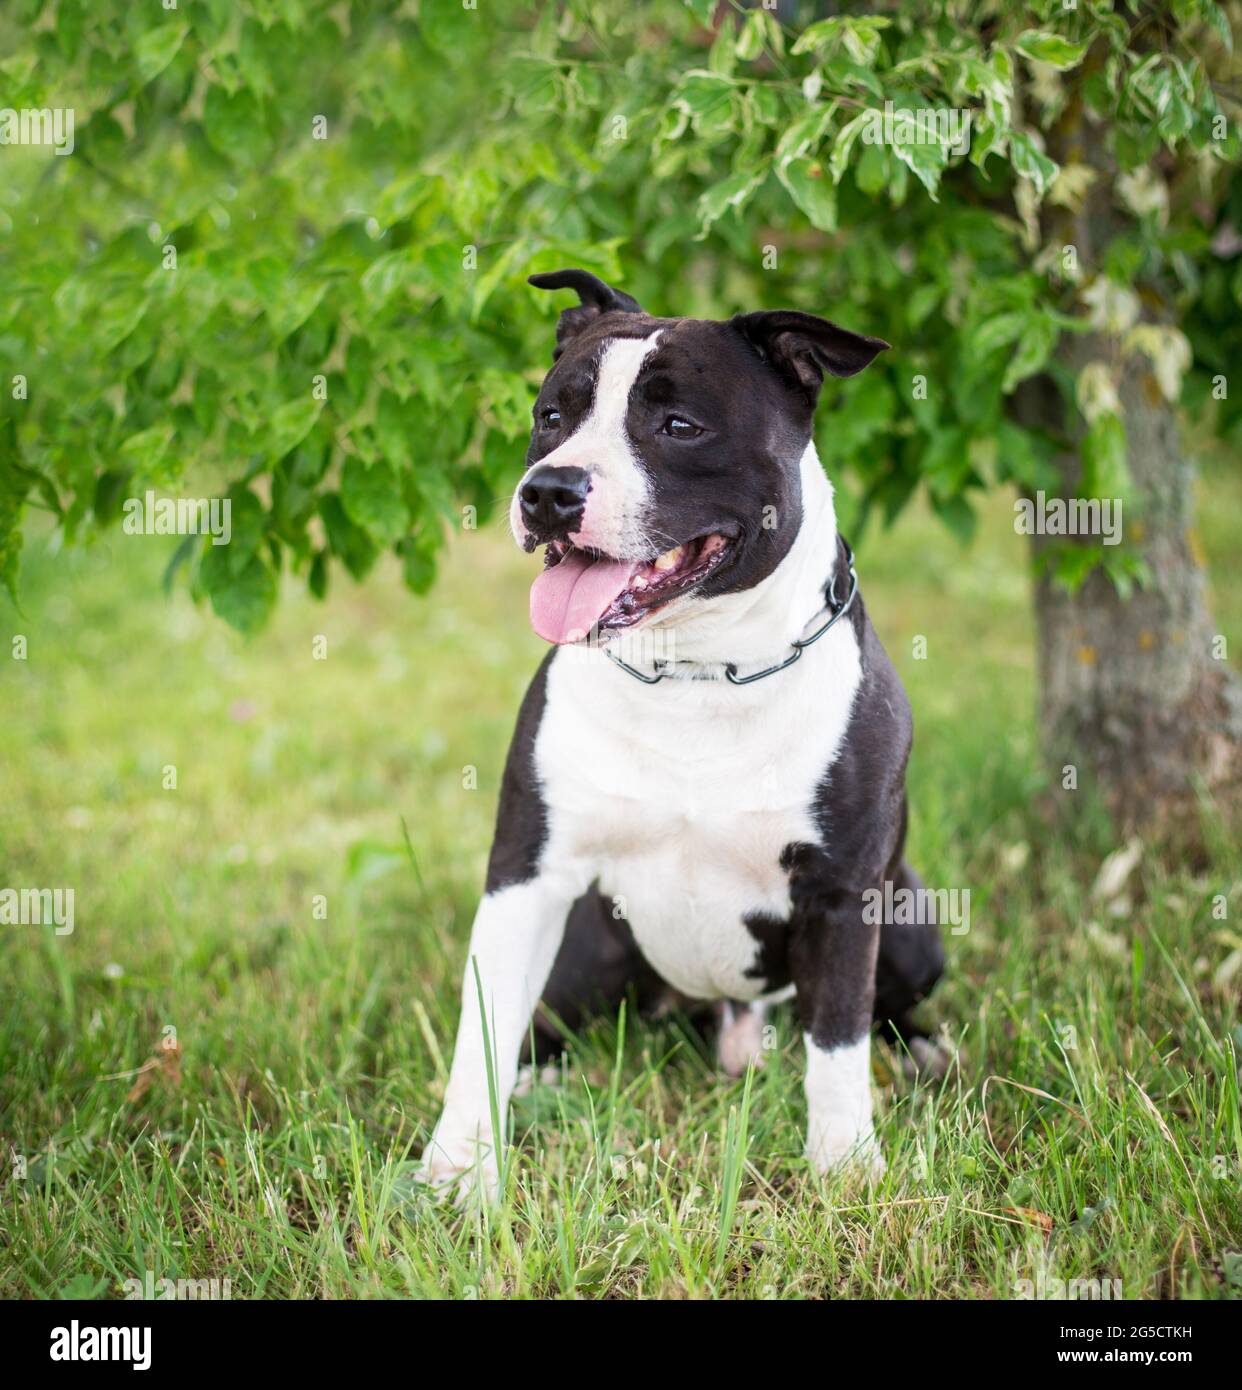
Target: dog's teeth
(639, 582)
(668, 560)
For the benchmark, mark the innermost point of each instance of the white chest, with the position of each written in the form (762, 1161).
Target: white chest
(679, 798)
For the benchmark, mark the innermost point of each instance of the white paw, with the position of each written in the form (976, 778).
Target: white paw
(849, 1152)
(460, 1166)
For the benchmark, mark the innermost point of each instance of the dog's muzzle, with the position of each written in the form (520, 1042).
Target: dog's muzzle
(552, 501)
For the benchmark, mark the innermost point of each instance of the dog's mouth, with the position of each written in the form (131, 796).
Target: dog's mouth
(584, 589)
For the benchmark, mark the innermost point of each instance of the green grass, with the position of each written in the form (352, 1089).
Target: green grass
(1092, 1131)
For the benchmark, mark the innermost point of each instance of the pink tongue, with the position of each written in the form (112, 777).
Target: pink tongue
(567, 599)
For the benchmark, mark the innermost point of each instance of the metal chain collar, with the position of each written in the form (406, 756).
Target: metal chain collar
(834, 609)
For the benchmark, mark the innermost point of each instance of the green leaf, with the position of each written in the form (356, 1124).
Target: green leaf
(1104, 469)
(248, 527)
(10, 547)
(922, 302)
(317, 579)
(707, 98)
(760, 30)
(393, 430)
(704, 11)
(349, 543)
(734, 192)
(496, 267)
(722, 56)
(818, 35)
(115, 320)
(386, 274)
(290, 426)
(765, 104)
(111, 489)
(1018, 459)
(996, 332)
(13, 488)
(1070, 563)
(925, 161)
(859, 36)
(371, 496)
(986, 138)
(235, 125)
(535, 82)
(244, 597)
(814, 194)
(144, 452)
(804, 133)
(296, 303)
(958, 515)
(1030, 162)
(155, 49)
(1044, 47)
(871, 171)
(844, 143)
(418, 565)
(404, 196)
(1034, 348)
(1216, 17)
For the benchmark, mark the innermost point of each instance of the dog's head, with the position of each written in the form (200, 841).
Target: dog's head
(664, 461)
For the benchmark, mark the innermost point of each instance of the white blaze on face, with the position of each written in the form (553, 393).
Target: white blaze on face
(620, 491)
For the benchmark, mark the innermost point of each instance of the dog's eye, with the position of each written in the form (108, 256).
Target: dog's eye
(681, 429)
(549, 417)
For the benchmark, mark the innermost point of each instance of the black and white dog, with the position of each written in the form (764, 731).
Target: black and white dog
(709, 817)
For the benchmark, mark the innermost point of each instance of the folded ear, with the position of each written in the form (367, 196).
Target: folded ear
(802, 347)
(595, 298)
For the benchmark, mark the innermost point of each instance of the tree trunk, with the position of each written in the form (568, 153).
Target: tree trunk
(1135, 693)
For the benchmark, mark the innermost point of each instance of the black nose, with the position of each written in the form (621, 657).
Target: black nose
(553, 500)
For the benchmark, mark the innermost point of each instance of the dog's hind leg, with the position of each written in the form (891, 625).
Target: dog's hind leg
(911, 960)
(739, 1041)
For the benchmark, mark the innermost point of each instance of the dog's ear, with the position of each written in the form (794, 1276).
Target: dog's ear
(801, 347)
(595, 298)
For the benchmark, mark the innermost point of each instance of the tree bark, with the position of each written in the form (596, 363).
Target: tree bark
(1135, 693)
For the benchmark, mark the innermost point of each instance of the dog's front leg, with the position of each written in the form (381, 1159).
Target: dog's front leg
(833, 961)
(517, 932)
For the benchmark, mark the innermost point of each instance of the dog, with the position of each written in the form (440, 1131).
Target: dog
(707, 776)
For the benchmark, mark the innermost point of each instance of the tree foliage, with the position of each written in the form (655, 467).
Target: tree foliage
(286, 258)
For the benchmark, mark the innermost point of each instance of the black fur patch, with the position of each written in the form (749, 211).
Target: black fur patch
(838, 960)
(521, 818)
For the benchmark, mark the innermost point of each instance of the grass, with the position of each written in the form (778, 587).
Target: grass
(268, 916)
